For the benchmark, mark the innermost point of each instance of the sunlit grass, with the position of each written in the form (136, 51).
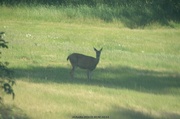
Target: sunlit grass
(137, 77)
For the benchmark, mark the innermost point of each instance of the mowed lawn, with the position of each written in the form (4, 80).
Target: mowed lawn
(138, 76)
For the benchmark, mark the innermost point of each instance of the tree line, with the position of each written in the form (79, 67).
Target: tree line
(163, 9)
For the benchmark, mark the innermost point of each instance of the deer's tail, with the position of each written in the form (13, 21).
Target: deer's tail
(67, 58)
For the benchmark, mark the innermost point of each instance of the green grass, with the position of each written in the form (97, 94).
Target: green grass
(137, 77)
(120, 16)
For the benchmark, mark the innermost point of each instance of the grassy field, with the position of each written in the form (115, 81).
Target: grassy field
(137, 77)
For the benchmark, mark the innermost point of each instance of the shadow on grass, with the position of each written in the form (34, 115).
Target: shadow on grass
(111, 77)
(125, 113)
(11, 112)
(117, 112)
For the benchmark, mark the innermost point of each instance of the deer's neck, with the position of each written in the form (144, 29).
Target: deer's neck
(97, 60)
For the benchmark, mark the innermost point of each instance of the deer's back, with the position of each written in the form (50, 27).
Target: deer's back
(83, 61)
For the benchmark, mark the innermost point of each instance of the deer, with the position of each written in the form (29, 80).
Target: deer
(84, 62)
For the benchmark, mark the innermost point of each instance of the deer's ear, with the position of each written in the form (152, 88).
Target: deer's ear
(95, 49)
(101, 49)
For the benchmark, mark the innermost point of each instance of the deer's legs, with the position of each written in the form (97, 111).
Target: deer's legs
(72, 72)
(89, 74)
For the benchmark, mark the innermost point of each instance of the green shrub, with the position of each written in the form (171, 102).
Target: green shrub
(5, 74)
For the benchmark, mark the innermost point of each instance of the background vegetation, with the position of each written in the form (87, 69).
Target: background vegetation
(137, 77)
(5, 73)
(132, 13)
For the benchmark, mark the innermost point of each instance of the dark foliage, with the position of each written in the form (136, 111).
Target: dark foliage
(5, 74)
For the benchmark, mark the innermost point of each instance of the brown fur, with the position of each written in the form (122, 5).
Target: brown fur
(84, 62)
